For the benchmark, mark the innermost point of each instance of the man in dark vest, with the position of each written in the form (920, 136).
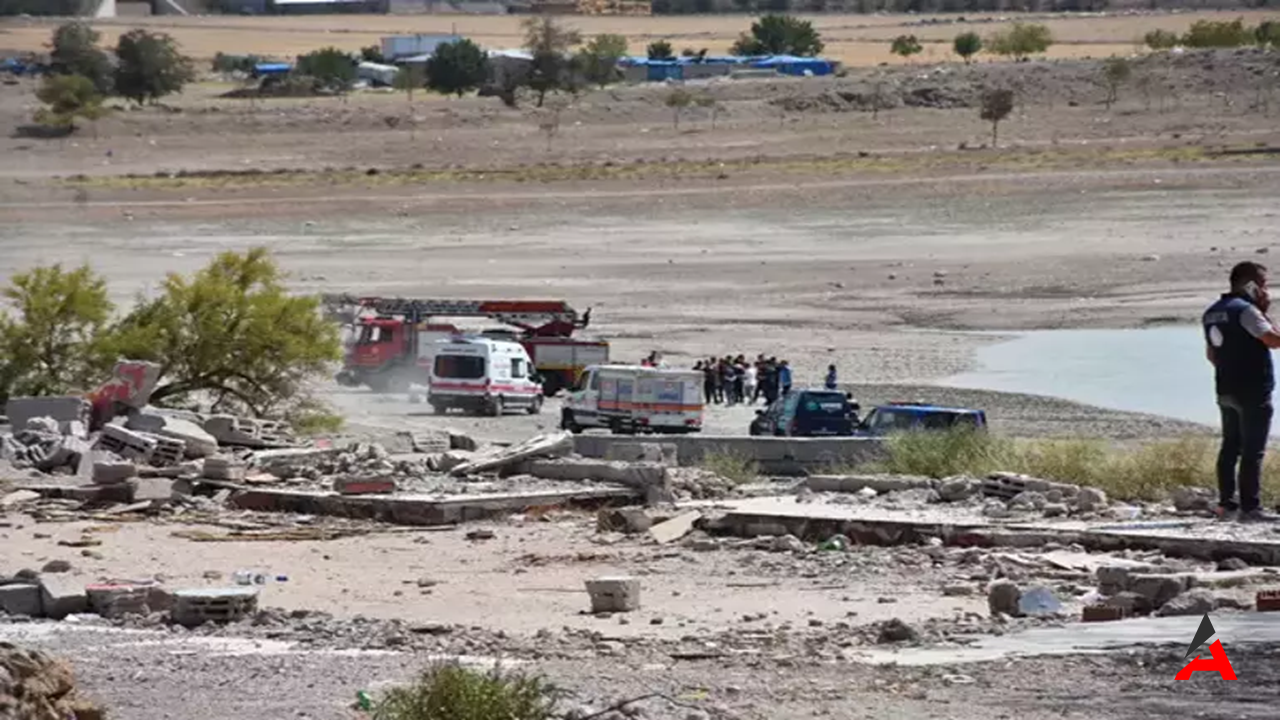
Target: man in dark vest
(1239, 338)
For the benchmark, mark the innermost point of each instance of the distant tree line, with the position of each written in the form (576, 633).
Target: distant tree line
(694, 7)
(44, 7)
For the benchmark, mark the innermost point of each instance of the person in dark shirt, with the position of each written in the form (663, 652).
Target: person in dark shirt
(1238, 342)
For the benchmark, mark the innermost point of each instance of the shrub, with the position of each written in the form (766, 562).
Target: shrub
(449, 691)
(1160, 40)
(906, 46)
(1218, 34)
(1021, 40)
(660, 50)
(734, 467)
(332, 68)
(1146, 471)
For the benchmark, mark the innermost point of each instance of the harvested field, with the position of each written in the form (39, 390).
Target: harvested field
(852, 39)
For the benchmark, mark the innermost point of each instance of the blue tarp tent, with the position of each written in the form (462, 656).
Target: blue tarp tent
(262, 69)
(792, 65)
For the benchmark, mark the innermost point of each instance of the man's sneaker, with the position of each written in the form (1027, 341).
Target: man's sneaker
(1259, 515)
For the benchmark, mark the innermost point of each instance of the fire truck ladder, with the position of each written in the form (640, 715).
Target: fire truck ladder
(524, 314)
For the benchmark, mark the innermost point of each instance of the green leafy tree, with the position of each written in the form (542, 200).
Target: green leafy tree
(1217, 34)
(53, 339)
(549, 43)
(67, 97)
(331, 68)
(233, 333)
(1160, 40)
(678, 100)
(1020, 41)
(457, 67)
(372, 54)
(966, 45)
(779, 35)
(996, 106)
(599, 58)
(660, 50)
(76, 52)
(906, 46)
(1116, 71)
(150, 66)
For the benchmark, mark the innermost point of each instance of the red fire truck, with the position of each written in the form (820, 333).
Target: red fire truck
(392, 337)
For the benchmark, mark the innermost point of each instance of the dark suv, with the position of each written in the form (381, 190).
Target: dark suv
(895, 417)
(807, 413)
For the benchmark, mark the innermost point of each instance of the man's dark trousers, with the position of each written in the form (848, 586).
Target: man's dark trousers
(1246, 424)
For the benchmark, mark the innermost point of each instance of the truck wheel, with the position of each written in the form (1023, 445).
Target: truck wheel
(568, 423)
(495, 406)
(535, 407)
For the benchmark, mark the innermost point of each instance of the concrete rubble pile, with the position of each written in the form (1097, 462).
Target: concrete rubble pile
(36, 686)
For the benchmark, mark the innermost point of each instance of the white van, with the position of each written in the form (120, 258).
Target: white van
(482, 375)
(635, 398)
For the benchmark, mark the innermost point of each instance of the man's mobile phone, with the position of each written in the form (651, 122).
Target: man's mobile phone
(1251, 289)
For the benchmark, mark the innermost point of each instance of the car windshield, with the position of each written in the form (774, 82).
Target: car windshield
(833, 403)
(459, 367)
(886, 419)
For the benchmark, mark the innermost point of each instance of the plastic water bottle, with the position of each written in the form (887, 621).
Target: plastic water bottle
(252, 577)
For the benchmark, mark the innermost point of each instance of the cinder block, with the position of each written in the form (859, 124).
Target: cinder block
(224, 468)
(113, 472)
(156, 490)
(195, 607)
(61, 596)
(126, 443)
(198, 443)
(20, 599)
(614, 594)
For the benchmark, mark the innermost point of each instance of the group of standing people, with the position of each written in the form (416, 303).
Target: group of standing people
(735, 380)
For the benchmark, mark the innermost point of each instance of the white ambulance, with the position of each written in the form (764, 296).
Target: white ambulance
(630, 399)
(481, 375)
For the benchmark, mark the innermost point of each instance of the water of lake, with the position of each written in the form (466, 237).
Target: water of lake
(1161, 371)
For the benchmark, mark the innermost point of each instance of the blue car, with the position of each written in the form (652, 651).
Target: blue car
(900, 416)
(807, 413)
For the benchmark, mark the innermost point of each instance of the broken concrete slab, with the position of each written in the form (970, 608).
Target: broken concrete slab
(411, 509)
(652, 479)
(21, 599)
(629, 521)
(61, 596)
(774, 455)
(1192, 602)
(281, 462)
(429, 441)
(649, 452)
(556, 444)
(63, 409)
(240, 432)
(459, 440)
(675, 528)
(66, 453)
(446, 461)
(18, 497)
(614, 594)
(125, 443)
(854, 483)
(199, 444)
